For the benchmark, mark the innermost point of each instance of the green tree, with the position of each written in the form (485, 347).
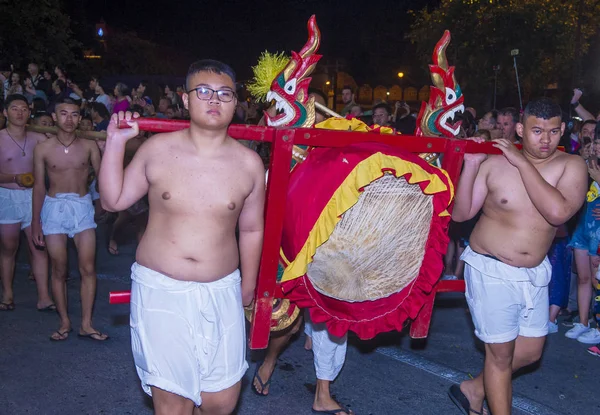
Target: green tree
(126, 53)
(485, 31)
(36, 31)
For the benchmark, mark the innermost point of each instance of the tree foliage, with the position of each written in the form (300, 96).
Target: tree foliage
(36, 31)
(126, 53)
(485, 31)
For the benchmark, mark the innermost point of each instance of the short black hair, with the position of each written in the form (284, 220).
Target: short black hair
(383, 105)
(61, 84)
(41, 114)
(589, 122)
(101, 109)
(136, 108)
(209, 65)
(87, 117)
(543, 108)
(64, 100)
(38, 104)
(143, 82)
(15, 97)
(348, 87)
(512, 111)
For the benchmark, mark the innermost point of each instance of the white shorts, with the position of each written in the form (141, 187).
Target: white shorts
(15, 206)
(187, 337)
(506, 301)
(67, 213)
(92, 190)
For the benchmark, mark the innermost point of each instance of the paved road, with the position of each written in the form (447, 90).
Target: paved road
(389, 375)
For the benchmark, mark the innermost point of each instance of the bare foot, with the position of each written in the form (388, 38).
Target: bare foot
(328, 404)
(92, 334)
(308, 343)
(265, 371)
(61, 334)
(47, 305)
(475, 397)
(113, 248)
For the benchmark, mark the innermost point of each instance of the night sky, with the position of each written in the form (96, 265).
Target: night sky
(368, 36)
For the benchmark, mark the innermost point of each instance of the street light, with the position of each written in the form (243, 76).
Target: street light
(400, 74)
(328, 83)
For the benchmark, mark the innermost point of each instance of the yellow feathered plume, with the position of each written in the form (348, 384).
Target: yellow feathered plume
(268, 67)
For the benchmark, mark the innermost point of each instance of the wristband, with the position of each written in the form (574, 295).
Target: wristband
(575, 104)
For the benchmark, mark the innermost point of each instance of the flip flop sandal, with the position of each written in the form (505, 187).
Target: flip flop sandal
(90, 336)
(461, 401)
(63, 335)
(48, 309)
(342, 408)
(263, 385)
(7, 306)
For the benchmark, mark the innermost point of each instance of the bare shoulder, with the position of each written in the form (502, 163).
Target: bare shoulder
(156, 145)
(249, 157)
(572, 163)
(45, 144)
(39, 138)
(493, 162)
(89, 144)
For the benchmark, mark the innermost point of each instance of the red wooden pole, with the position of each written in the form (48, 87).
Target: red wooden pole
(119, 297)
(237, 131)
(452, 163)
(279, 172)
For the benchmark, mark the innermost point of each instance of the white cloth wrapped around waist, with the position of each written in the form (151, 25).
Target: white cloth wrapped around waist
(67, 213)
(539, 276)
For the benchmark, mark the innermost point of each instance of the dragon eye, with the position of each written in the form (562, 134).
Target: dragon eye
(290, 86)
(450, 96)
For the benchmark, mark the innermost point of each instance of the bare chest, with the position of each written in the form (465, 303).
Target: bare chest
(61, 158)
(16, 157)
(507, 192)
(184, 186)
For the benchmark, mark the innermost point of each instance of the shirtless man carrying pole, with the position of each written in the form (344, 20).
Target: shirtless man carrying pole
(525, 196)
(187, 320)
(16, 161)
(66, 210)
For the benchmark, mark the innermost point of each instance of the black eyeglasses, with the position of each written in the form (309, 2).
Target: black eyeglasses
(204, 93)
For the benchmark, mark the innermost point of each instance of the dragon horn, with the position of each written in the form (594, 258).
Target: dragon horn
(314, 38)
(439, 53)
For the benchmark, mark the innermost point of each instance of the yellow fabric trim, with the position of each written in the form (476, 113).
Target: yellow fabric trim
(283, 257)
(343, 124)
(346, 196)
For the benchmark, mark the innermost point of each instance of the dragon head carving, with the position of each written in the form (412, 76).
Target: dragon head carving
(289, 89)
(438, 116)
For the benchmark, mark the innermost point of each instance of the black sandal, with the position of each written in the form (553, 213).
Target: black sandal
(7, 306)
(263, 385)
(461, 401)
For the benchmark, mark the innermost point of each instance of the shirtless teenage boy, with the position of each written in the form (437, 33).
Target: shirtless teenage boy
(67, 211)
(187, 320)
(16, 160)
(525, 196)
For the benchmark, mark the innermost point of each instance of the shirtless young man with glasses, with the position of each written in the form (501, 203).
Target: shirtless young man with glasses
(187, 320)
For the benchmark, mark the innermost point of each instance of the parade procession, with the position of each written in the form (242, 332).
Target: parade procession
(290, 241)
